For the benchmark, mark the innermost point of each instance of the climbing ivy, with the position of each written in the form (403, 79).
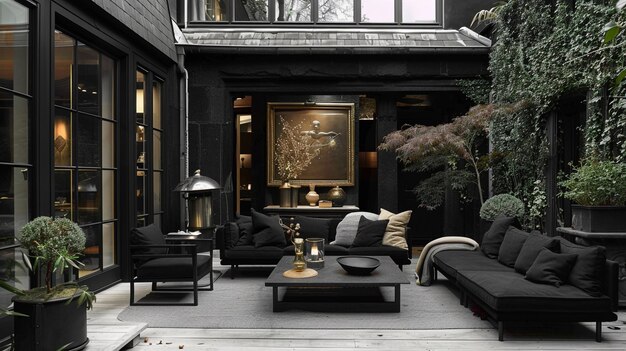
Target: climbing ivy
(542, 54)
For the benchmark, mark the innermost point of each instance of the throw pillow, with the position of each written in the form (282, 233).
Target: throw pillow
(245, 234)
(492, 239)
(266, 230)
(550, 268)
(395, 234)
(511, 246)
(587, 270)
(370, 233)
(347, 228)
(535, 242)
(148, 235)
(231, 234)
(311, 227)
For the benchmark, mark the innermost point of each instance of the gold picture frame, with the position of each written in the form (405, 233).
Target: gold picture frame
(333, 131)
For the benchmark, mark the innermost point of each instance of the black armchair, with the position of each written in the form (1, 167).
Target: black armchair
(153, 260)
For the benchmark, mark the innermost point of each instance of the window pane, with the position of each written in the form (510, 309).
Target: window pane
(251, 10)
(108, 144)
(63, 193)
(336, 11)
(12, 273)
(156, 104)
(14, 46)
(141, 221)
(157, 150)
(207, 10)
(419, 11)
(140, 96)
(108, 195)
(140, 192)
(377, 11)
(108, 244)
(108, 87)
(88, 141)
(63, 62)
(91, 254)
(62, 140)
(293, 10)
(140, 137)
(13, 128)
(13, 202)
(157, 220)
(88, 196)
(88, 86)
(157, 191)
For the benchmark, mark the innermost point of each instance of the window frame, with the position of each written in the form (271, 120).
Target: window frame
(271, 15)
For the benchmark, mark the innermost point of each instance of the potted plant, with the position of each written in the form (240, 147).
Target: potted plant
(57, 314)
(598, 189)
(501, 204)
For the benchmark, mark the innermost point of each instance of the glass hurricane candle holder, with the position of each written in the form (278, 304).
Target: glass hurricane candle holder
(314, 252)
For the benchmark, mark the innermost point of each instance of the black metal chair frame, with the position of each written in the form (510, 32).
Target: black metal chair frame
(193, 254)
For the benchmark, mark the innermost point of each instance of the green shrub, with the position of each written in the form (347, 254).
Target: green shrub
(597, 183)
(503, 204)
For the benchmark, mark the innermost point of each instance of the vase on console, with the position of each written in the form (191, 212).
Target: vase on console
(337, 196)
(285, 194)
(312, 197)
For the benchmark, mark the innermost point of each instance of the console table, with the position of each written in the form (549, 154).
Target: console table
(615, 244)
(312, 211)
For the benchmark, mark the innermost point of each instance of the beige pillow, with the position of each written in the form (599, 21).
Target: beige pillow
(395, 234)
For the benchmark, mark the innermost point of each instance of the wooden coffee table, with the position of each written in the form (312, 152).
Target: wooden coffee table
(335, 290)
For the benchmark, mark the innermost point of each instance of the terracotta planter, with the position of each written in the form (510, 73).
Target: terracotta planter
(50, 325)
(599, 219)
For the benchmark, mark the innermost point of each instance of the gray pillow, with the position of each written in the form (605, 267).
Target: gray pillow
(347, 228)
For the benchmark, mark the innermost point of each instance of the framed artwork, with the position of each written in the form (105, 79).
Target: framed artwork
(314, 142)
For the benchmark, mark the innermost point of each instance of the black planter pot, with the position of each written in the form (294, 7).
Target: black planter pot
(599, 219)
(50, 325)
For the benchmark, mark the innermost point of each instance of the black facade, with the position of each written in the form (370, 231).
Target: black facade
(82, 101)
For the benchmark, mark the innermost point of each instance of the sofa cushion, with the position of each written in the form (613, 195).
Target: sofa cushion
(492, 239)
(370, 233)
(148, 235)
(267, 230)
(452, 261)
(329, 250)
(395, 233)
(252, 253)
(511, 246)
(231, 234)
(347, 228)
(531, 248)
(587, 271)
(510, 292)
(311, 227)
(551, 268)
(172, 267)
(398, 255)
(245, 234)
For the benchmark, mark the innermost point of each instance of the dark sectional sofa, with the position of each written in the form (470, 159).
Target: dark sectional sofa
(236, 247)
(506, 296)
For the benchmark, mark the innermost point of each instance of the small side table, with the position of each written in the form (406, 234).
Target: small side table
(615, 244)
(204, 242)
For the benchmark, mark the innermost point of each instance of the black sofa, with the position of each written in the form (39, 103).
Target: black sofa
(506, 296)
(235, 250)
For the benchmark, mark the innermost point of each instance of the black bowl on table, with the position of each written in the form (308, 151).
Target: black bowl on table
(358, 265)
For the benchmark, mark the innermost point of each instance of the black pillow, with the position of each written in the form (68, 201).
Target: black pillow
(245, 234)
(231, 234)
(512, 244)
(266, 230)
(531, 248)
(550, 268)
(370, 233)
(492, 239)
(587, 270)
(311, 227)
(148, 235)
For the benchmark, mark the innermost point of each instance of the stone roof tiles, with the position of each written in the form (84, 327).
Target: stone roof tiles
(150, 19)
(313, 38)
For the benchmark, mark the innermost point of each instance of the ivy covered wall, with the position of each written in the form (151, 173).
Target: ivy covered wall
(544, 53)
